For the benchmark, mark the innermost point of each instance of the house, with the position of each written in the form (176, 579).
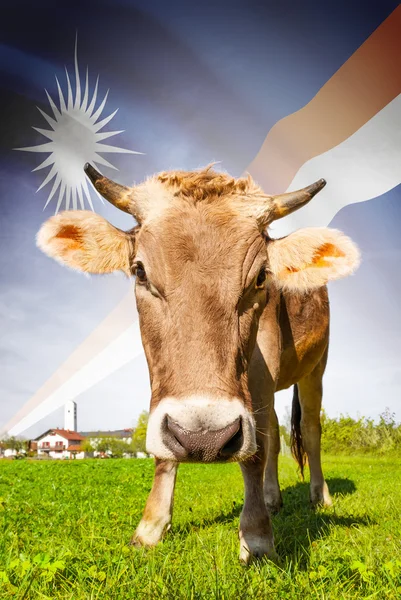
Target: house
(33, 446)
(60, 443)
(10, 452)
(66, 443)
(14, 450)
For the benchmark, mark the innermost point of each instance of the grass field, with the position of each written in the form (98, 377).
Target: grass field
(66, 526)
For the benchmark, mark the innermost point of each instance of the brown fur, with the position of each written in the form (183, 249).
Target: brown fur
(72, 234)
(208, 328)
(203, 285)
(206, 184)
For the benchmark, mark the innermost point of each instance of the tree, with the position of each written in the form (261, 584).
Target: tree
(285, 435)
(102, 444)
(14, 443)
(286, 421)
(110, 445)
(118, 447)
(138, 443)
(87, 445)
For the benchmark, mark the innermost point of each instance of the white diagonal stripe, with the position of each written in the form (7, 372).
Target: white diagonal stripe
(364, 166)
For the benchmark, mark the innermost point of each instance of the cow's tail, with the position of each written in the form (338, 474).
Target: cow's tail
(297, 447)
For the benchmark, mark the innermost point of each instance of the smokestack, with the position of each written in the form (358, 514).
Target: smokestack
(70, 415)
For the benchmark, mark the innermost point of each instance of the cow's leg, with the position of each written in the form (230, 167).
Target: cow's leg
(271, 486)
(159, 506)
(310, 397)
(255, 531)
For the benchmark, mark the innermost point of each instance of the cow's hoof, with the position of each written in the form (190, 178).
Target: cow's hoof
(148, 534)
(274, 503)
(256, 546)
(320, 496)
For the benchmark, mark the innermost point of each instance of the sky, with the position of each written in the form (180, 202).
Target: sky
(193, 82)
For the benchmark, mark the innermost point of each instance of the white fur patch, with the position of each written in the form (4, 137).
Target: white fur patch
(309, 258)
(200, 412)
(150, 199)
(85, 241)
(150, 533)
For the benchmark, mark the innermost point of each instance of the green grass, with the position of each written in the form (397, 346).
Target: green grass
(66, 527)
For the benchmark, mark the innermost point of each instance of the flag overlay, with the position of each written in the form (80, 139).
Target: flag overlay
(250, 90)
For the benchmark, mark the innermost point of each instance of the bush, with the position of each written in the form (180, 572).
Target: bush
(362, 435)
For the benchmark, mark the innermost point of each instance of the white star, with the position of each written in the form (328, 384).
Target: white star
(75, 138)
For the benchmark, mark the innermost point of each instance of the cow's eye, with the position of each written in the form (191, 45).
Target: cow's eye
(140, 273)
(261, 277)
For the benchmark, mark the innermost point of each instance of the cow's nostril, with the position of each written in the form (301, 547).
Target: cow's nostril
(234, 444)
(172, 438)
(179, 433)
(203, 445)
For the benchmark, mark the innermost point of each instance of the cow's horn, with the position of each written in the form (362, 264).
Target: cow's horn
(116, 194)
(285, 204)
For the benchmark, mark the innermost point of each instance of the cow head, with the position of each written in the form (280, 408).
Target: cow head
(204, 265)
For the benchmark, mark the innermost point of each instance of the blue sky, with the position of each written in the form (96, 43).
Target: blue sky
(194, 82)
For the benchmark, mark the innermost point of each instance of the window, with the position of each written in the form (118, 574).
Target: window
(45, 444)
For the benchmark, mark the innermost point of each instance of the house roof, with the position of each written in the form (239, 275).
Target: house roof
(74, 448)
(65, 433)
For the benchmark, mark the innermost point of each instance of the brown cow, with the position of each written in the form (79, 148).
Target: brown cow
(228, 316)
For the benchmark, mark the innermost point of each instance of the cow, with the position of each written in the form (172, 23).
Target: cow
(228, 316)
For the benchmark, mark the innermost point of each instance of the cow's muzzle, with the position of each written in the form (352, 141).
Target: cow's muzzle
(201, 429)
(203, 445)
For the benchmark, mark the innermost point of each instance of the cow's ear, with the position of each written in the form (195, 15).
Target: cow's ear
(85, 241)
(309, 258)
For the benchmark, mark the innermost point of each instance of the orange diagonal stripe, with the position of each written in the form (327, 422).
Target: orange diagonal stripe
(365, 84)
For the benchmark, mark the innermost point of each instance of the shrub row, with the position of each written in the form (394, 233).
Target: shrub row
(345, 434)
